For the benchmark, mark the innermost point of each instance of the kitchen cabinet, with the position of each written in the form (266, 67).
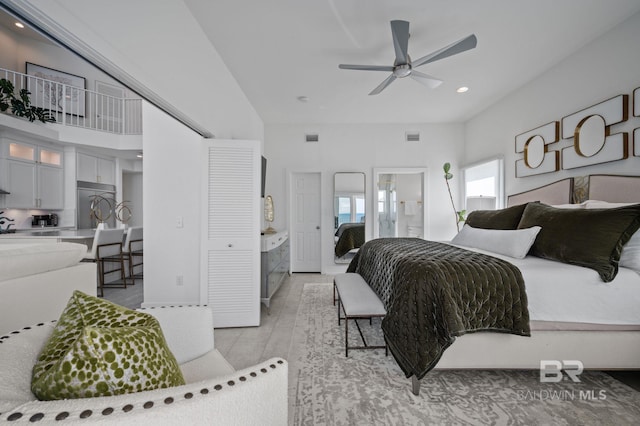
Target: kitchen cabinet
(95, 169)
(35, 177)
(230, 262)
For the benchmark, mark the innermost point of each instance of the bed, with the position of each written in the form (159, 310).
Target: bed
(349, 236)
(586, 333)
(53, 270)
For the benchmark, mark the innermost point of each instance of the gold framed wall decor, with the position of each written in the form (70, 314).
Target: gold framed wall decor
(636, 142)
(534, 145)
(590, 129)
(636, 102)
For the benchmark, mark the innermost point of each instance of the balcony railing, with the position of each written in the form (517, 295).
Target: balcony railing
(75, 106)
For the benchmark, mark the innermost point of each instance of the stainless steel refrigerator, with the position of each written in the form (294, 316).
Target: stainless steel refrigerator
(87, 192)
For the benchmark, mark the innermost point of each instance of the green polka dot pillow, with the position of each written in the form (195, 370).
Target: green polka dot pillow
(100, 349)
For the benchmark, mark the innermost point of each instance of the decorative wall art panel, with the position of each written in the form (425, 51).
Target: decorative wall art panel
(636, 142)
(612, 149)
(534, 144)
(636, 102)
(614, 110)
(590, 129)
(56, 90)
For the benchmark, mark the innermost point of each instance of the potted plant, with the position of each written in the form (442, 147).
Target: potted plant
(459, 213)
(21, 105)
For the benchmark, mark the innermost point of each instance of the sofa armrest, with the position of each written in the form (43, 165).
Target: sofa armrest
(188, 330)
(255, 395)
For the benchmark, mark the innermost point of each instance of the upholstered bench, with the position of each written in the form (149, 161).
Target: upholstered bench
(358, 301)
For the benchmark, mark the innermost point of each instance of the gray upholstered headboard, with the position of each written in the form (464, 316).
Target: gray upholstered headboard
(610, 188)
(614, 189)
(560, 192)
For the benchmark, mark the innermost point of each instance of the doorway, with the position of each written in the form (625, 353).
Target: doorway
(305, 207)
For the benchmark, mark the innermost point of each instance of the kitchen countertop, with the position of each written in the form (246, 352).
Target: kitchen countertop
(67, 234)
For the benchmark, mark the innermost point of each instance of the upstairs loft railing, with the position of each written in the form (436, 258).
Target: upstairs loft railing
(75, 106)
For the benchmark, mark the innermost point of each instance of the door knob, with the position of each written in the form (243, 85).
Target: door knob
(230, 245)
(317, 227)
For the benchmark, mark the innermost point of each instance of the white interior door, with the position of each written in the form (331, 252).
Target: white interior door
(305, 222)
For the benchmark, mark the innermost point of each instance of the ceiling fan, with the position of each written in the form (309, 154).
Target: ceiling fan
(403, 66)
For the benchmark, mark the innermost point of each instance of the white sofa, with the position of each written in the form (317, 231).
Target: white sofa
(214, 393)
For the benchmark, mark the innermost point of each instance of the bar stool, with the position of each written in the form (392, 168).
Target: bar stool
(107, 249)
(133, 249)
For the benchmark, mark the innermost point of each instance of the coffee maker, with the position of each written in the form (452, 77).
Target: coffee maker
(43, 220)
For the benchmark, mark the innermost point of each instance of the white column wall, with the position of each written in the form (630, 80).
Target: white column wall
(171, 181)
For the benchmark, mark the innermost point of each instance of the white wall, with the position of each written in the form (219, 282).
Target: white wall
(17, 51)
(360, 148)
(171, 181)
(607, 67)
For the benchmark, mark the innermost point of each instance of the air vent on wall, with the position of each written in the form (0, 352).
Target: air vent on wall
(412, 136)
(311, 137)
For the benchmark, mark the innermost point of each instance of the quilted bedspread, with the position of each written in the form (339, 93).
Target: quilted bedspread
(434, 292)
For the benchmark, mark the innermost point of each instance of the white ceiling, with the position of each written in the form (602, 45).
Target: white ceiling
(279, 50)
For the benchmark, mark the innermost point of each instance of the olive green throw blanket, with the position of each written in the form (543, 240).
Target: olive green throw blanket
(434, 292)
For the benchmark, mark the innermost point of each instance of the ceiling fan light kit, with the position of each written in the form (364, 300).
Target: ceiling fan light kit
(404, 67)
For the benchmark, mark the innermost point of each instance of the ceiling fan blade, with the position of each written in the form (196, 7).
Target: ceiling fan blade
(400, 33)
(427, 80)
(365, 67)
(459, 46)
(383, 85)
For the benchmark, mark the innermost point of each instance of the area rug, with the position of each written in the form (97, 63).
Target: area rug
(367, 388)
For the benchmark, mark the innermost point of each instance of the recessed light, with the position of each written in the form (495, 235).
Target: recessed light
(462, 89)
(19, 25)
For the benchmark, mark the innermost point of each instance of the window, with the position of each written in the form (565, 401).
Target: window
(351, 209)
(484, 185)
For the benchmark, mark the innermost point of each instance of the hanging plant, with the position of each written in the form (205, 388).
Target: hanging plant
(459, 213)
(21, 105)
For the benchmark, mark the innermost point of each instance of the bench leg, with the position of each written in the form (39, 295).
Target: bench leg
(415, 385)
(346, 336)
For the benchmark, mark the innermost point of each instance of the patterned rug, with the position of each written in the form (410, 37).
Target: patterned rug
(326, 388)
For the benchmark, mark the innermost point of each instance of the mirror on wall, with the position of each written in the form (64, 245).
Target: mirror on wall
(349, 214)
(399, 207)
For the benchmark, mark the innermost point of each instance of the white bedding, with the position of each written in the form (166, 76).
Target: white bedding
(560, 292)
(19, 260)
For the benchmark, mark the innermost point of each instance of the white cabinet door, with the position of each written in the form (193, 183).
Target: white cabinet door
(95, 169)
(21, 183)
(50, 187)
(87, 167)
(230, 275)
(106, 171)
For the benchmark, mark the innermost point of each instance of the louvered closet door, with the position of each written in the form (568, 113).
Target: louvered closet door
(231, 233)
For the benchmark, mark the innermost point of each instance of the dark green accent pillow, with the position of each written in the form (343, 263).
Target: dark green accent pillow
(591, 238)
(100, 349)
(496, 219)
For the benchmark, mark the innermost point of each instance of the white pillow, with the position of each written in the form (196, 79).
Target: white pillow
(514, 243)
(596, 204)
(570, 206)
(630, 257)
